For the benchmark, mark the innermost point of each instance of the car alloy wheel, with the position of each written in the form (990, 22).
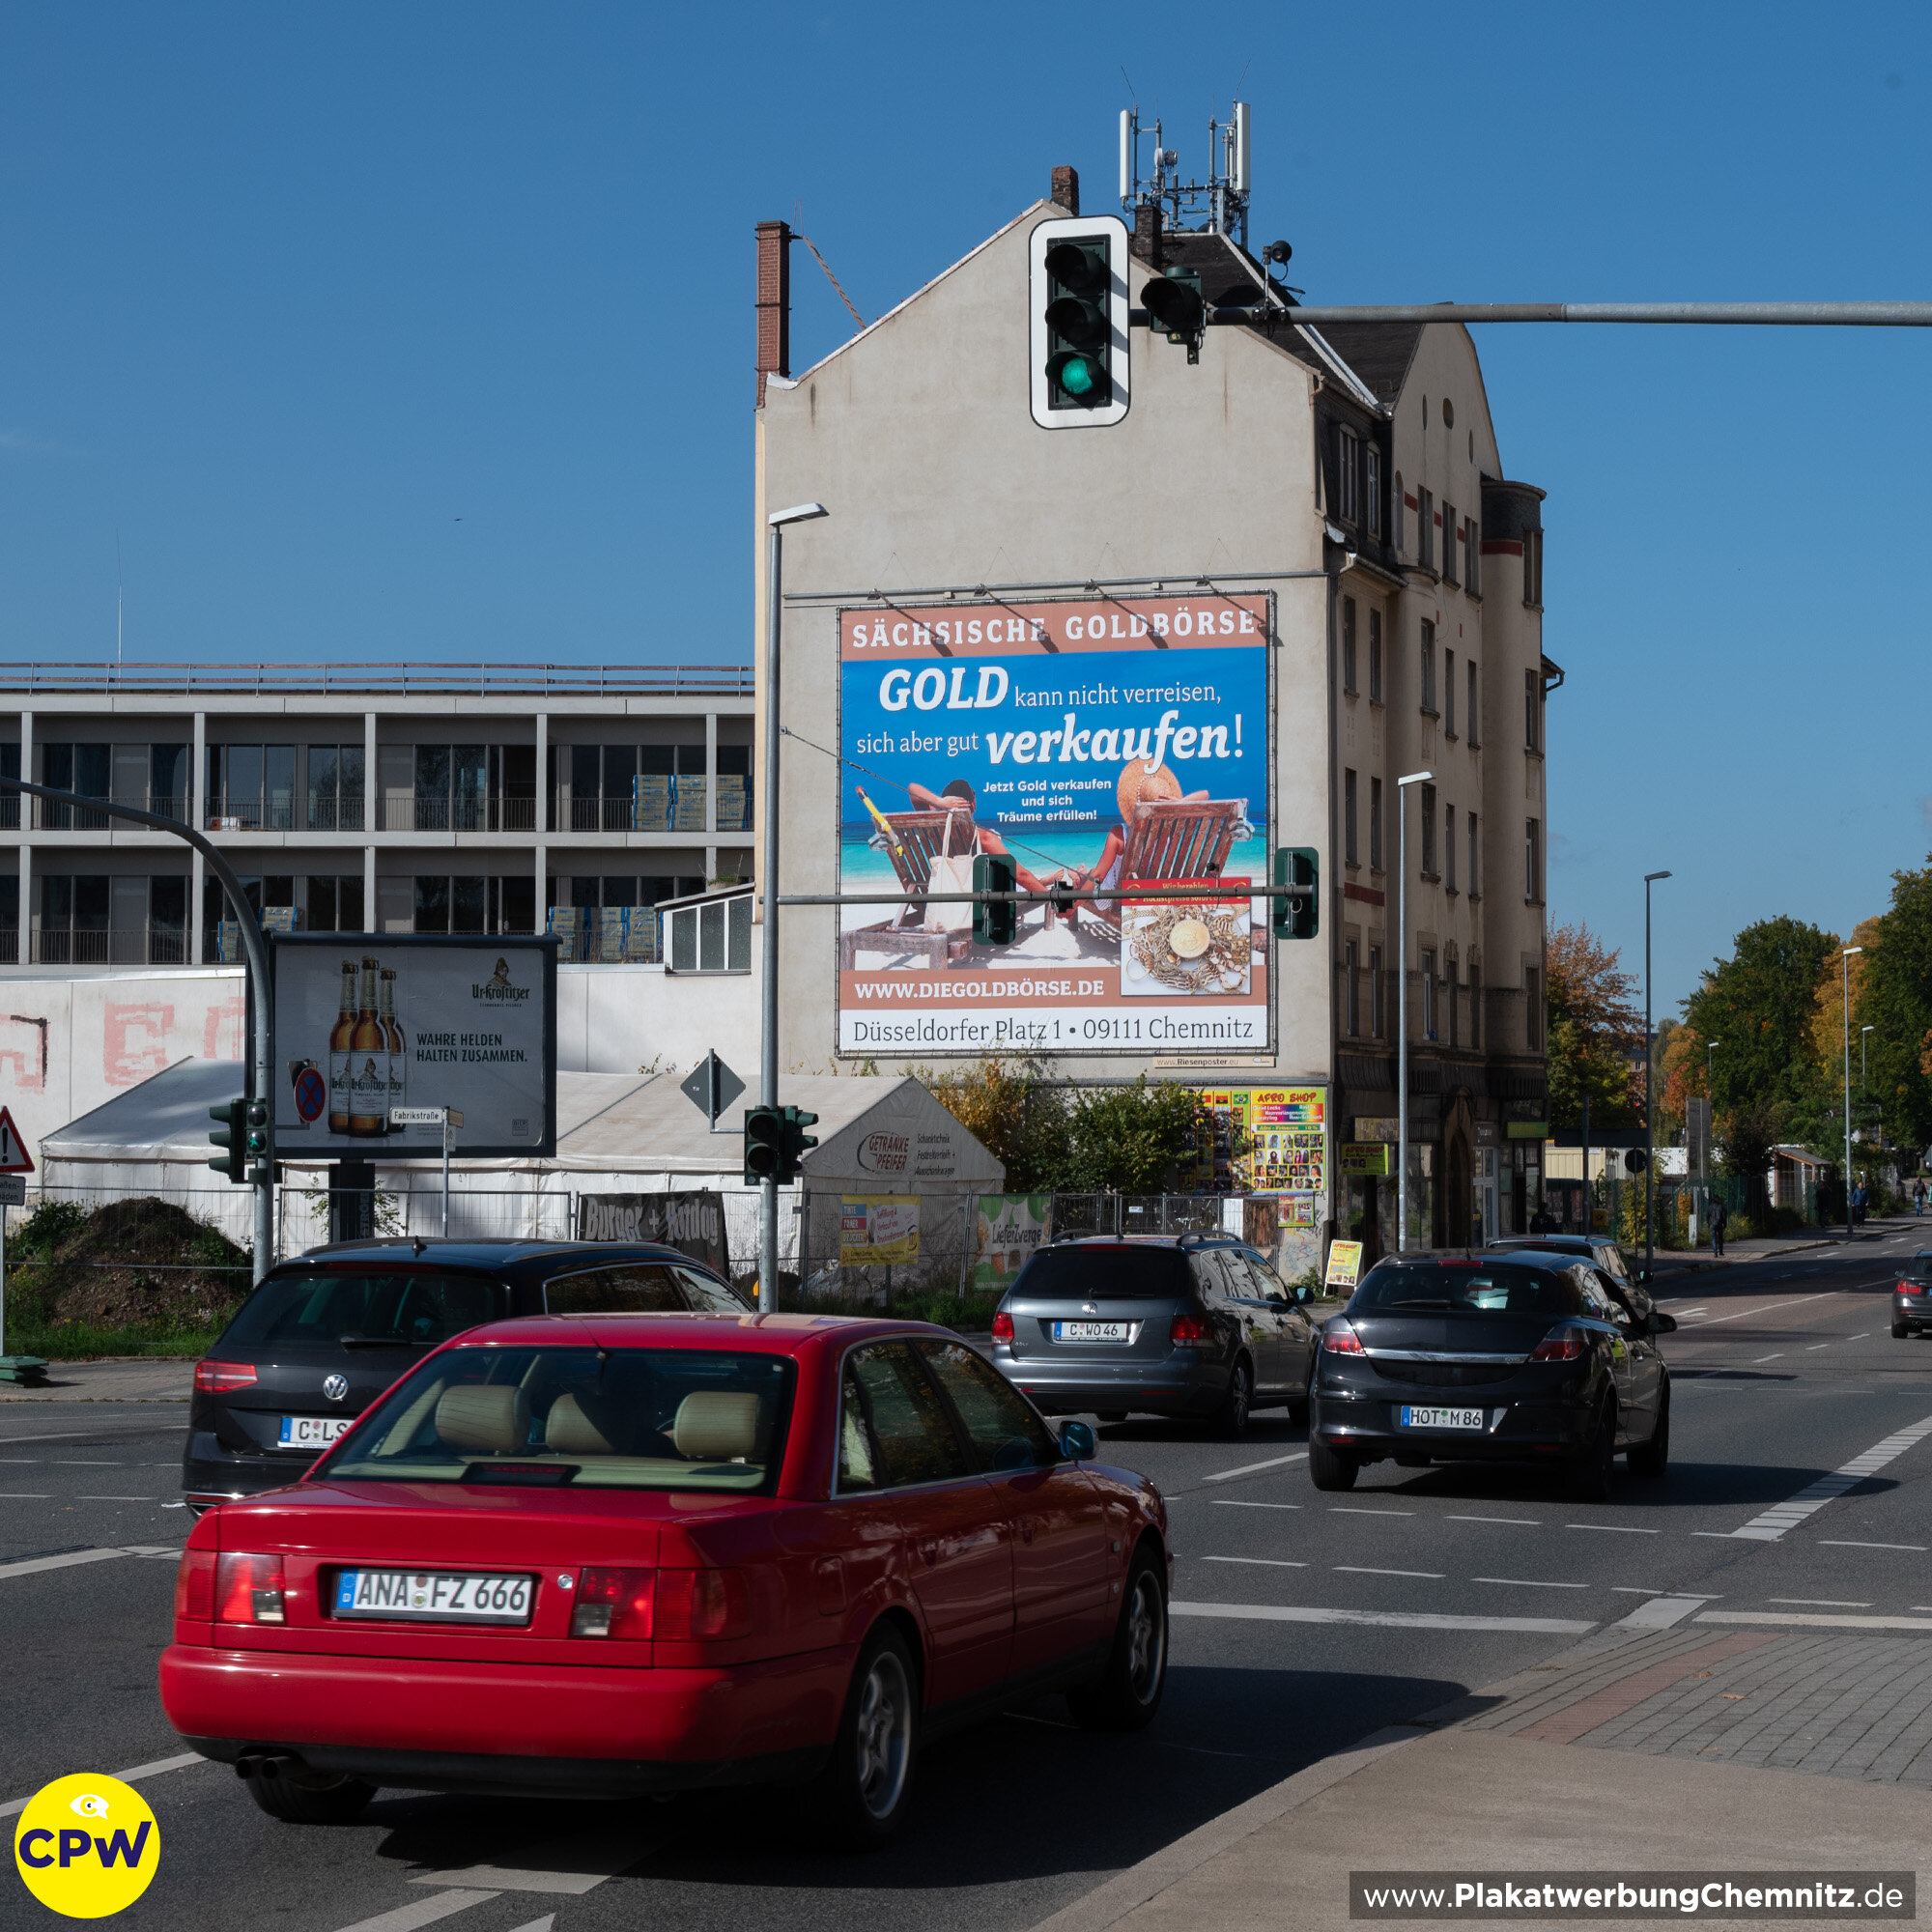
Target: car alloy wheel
(1594, 1475)
(883, 1736)
(1146, 1638)
(1241, 1394)
(1652, 1458)
(1127, 1694)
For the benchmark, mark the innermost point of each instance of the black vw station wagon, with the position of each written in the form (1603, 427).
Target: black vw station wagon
(1517, 1358)
(325, 1334)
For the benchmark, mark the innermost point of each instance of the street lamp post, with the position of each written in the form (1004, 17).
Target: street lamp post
(1649, 1113)
(1711, 1047)
(1401, 787)
(1863, 1081)
(768, 1045)
(1845, 963)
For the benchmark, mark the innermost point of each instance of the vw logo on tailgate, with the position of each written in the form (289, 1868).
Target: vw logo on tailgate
(335, 1387)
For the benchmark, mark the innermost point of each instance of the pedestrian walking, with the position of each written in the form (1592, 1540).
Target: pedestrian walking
(1720, 1219)
(1919, 1197)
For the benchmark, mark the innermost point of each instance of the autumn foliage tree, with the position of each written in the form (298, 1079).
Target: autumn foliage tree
(1595, 1027)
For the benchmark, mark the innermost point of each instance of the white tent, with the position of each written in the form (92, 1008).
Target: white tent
(616, 1134)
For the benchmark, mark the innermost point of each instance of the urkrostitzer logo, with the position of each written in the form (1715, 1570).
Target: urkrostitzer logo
(497, 986)
(87, 1845)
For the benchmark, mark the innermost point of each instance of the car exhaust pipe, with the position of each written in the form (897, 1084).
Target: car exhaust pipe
(265, 1764)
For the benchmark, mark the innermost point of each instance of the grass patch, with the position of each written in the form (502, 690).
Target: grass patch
(83, 1342)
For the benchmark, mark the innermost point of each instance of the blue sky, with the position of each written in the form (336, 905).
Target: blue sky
(290, 292)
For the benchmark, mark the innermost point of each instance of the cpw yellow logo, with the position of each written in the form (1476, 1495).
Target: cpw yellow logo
(87, 1845)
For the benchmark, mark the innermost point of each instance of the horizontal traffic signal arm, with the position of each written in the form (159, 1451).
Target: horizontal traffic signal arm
(1784, 315)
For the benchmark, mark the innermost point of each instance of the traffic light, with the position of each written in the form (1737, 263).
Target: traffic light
(1078, 285)
(796, 1139)
(232, 1139)
(1297, 903)
(995, 922)
(258, 1161)
(764, 1144)
(1174, 305)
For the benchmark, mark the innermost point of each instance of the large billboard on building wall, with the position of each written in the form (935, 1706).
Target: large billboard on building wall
(1103, 744)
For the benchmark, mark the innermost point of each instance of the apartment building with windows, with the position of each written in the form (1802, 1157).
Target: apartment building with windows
(358, 798)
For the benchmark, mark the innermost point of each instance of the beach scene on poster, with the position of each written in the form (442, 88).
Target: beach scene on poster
(1106, 746)
(463, 1025)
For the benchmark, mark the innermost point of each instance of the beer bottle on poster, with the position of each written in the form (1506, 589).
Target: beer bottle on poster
(399, 1054)
(369, 1062)
(339, 1035)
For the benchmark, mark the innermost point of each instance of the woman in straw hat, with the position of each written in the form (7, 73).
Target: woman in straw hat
(1140, 784)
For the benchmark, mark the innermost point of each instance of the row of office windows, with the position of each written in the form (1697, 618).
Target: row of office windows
(1438, 687)
(1445, 1009)
(1438, 856)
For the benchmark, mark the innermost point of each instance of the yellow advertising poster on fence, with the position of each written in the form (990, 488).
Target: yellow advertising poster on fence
(1264, 1140)
(1345, 1264)
(874, 1229)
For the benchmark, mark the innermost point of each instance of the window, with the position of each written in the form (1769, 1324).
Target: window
(1348, 464)
(1352, 1002)
(638, 1287)
(1449, 543)
(1376, 991)
(1349, 846)
(1376, 824)
(1398, 506)
(334, 802)
(1372, 488)
(1475, 1001)
(1449, 846)
(1375, 657)
(894, 1430)
(251, 788)
(1002, 1431)
(1349, 645)
(1428, 830)
(1532, 712)
(1473, 557)
(1532, 861)
(712, 936)
(334, 903)
(1428, 668)
(1532, 1017)
(1426, 520)
(1452, 972)
(1448, 694)
(1472, 718)
(416, 1310)
(1532, 567)
(1474, 878)
(1428, 993)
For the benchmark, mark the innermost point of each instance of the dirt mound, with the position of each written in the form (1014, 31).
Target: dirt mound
(142, 1263)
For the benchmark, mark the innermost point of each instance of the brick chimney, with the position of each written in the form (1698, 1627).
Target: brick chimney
(1147, 233)
(1067, 189)
(774, 303)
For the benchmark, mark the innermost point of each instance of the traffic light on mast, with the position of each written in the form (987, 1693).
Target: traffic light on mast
(260, 1164)
(1297, 884)
(232, 1139)
(764, 1145)
(995, 922)
(1078, 288)
(796, 1139)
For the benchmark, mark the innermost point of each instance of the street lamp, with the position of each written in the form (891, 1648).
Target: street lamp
(1863, 1031)
(1649, 1128)
(1711, 1047)
(1401, 787)
(768, 1046)
(1845, 962)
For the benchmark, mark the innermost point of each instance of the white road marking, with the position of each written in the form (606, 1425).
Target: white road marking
(1660, 1614)
(1519, 1521)
(421, 1912)
(1845, 1543)
(26, 1495)
(1614, 1529)
(117, 1499)
(1529, 1583)
(1865, 1337)
(1815, 1346)
(1363, 1570)
(1809, 1620)
(583, 1863)
(15, 1806)
(1788, 1301)
(1774, 1522)
(1344, 1509)
(1283, 1614)
(1638, 1590)
(100, 1429)
(1239, 1503)
(1819, 1603)
(1266, 1562)
(31, 1565)
(1756, 1359)
(1255, 1468)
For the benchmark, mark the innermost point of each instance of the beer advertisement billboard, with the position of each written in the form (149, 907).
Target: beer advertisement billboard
(368, 1022)
(1105, 745)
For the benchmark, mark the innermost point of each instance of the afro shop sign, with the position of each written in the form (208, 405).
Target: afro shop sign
(1106, 746)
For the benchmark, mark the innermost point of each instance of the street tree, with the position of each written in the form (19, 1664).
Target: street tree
(1595, 1027)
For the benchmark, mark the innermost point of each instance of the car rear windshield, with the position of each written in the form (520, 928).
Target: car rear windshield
(1126, 1273)
(585, 1417)
(1428, 1289)
(1917, 1269)
(412, 1308)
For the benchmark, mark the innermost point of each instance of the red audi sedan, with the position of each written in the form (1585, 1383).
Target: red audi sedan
(608, 1555)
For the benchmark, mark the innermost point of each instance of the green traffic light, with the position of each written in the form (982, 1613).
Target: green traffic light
(1077, 376)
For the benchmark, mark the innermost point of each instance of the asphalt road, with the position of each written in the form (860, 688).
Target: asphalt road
(1303, 1622)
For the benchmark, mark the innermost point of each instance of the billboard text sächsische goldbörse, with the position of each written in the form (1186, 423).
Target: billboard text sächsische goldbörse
(456, 1024)
(1099, 743)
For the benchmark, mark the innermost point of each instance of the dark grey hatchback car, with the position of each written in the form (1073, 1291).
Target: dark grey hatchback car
(323, 1335)
(1194, 1326)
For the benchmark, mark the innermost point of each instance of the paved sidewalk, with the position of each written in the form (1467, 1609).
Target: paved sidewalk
(1689, 1261)
(134, 1378)
(1691, 1748)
